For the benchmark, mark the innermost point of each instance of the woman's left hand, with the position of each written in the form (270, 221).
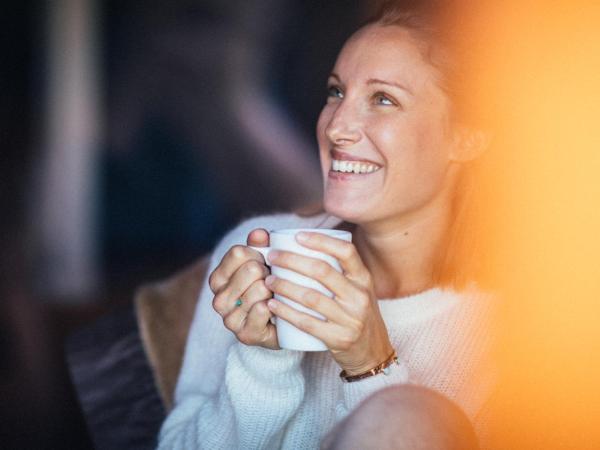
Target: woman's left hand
(354, 330)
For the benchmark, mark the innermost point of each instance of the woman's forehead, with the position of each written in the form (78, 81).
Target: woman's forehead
(377, 51)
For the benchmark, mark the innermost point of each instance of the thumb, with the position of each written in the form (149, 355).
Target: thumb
(258, 238)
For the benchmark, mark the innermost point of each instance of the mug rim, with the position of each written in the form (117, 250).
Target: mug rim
(328, 231)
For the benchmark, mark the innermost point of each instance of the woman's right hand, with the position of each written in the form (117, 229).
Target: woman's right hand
(241, 276)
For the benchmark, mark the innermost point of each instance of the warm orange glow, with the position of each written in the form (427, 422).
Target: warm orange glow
(543, 65)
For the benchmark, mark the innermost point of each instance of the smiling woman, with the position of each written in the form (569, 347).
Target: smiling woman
(394, 138)
(395, 150)
(386, 108)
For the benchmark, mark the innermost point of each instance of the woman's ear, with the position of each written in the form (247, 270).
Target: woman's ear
(470, 143)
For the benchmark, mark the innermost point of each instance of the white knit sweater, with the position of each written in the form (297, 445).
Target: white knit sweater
(233, 396)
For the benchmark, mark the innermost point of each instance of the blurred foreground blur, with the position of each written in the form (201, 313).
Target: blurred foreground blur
(545, 227)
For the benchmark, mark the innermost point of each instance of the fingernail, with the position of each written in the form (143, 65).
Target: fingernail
(269, 280)
(272, 304)
(302, 236)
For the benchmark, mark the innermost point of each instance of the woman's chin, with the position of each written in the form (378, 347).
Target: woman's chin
(347, 210)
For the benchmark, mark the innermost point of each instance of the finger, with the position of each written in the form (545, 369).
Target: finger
(257, 328)
(231, 262)
(309, 298)
(345, 252)
(234, 320)
(257, 292)
(333, 335)
(249, 272)
(316, 269)
(258, 238)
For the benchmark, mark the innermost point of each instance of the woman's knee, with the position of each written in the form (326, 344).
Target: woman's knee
(405, 417)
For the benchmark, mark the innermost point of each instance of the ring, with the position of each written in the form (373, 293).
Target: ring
(238, 302)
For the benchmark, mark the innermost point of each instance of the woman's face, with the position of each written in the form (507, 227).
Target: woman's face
(384, 135)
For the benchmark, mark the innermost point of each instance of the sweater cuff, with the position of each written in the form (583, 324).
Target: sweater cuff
(357, 391)
(266, 365)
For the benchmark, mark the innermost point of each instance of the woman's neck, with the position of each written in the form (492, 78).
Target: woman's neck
(402, 253)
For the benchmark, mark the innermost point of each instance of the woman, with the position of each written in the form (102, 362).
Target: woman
(394, 151)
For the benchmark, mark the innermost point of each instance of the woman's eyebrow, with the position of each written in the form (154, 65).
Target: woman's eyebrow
(389, 83)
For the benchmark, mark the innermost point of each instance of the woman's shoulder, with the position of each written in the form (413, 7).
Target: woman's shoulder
(481, 300)
(439, 302)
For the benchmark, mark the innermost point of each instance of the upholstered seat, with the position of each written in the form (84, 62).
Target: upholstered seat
(164, 312)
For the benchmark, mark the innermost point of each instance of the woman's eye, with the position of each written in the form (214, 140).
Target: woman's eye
(334, 91)
(382, 99)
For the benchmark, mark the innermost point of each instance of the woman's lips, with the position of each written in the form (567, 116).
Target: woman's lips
(342, 176)
(344, 156)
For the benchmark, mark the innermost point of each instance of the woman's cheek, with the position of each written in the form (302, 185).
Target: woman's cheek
(323, 140)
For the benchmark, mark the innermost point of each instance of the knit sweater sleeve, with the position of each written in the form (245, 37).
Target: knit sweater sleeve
(230, 395)
(261, 391)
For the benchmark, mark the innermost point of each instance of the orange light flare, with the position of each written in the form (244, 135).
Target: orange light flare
(540, 72)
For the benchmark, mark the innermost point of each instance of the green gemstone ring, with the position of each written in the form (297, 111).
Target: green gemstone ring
(238, 302)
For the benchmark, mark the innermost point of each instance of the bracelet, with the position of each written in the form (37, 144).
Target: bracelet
(384, 367)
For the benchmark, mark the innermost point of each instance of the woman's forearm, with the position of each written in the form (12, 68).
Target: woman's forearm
(261, 391)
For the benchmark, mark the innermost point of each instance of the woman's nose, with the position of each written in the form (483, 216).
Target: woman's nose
(344, 128)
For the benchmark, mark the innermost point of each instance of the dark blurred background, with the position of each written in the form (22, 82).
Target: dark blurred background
(134, 134)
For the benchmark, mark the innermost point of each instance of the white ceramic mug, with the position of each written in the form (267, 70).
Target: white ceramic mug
(289, 336)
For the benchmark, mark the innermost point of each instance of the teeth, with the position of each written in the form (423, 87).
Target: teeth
(352, 166)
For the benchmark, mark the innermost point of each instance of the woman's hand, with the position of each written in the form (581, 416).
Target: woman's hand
(241, 294)
(354, 330)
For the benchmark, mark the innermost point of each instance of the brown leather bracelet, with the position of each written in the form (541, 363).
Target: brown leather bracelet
(384, 368)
